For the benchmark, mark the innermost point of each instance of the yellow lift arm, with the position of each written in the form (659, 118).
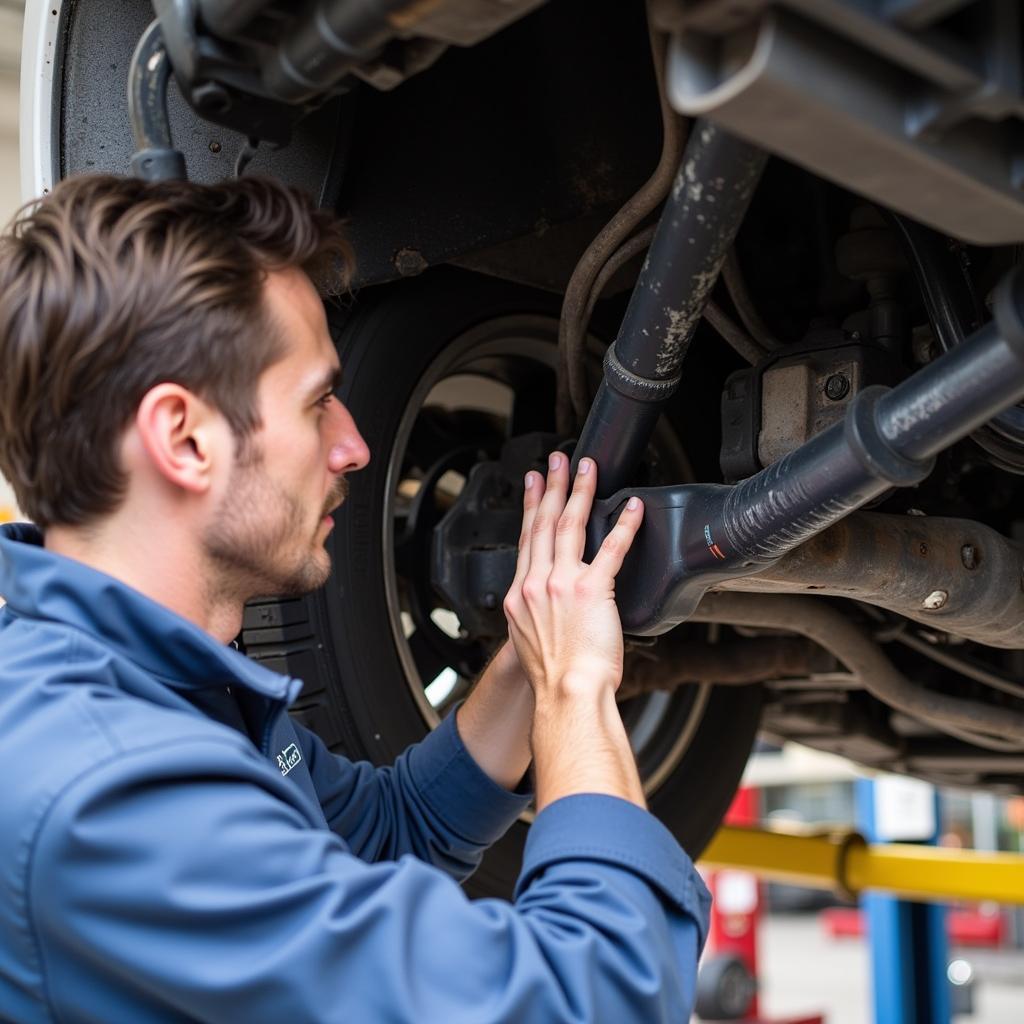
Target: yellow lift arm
(844, 861)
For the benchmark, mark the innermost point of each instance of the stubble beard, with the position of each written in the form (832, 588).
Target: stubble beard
(254, 545)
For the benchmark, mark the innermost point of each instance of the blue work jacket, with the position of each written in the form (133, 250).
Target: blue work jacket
(174, 848)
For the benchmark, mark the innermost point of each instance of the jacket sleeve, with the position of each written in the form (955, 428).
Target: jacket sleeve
(178, 882)
(434, 802)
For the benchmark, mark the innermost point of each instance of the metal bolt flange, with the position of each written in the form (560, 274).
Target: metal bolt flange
(837, 387)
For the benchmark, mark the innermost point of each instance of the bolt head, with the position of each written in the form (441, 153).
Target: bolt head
(410, 262)
(837, 387)
(969, 556)
(211, 97)
(936, 599)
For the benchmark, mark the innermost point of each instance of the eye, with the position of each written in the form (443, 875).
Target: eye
(325, 400)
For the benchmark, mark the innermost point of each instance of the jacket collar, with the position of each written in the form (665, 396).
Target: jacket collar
(40, 584)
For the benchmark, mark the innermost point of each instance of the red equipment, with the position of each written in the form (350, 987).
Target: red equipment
(727, 983)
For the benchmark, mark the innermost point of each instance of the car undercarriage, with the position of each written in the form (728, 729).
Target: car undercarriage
(758, 258)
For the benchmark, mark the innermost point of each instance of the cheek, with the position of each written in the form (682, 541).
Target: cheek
(297, 456)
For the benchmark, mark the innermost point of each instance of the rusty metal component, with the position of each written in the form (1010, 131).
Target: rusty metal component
(837, 387)
(803, 395)
(788, 397)
(913, 565)
(985, 724)
(805, 83)
(701, 535)
(704, 209)
(585, 285)
(676, 662)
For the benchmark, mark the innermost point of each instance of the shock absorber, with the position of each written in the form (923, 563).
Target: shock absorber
(703, 212)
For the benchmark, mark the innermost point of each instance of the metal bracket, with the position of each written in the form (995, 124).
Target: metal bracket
(155, 158)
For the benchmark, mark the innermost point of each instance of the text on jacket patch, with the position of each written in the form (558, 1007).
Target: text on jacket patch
(288, 758)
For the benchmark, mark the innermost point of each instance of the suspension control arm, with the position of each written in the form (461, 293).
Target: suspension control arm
(696, 536)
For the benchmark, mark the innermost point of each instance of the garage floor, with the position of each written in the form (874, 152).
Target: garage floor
(802, 971)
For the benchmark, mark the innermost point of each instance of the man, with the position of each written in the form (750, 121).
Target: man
(168, 420)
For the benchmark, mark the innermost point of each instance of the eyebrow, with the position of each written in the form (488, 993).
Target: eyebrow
(329, 381)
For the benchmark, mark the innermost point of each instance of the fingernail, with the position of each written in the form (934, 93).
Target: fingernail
(632, 503)
(584, 467)
(528, 482)
(555, 461)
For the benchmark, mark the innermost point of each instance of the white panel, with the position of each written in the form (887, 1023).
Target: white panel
(904, 809)
(39, 47)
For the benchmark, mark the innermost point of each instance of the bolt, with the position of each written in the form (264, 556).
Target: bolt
(214, 147)
(837, 387)
(490, 601)
(936, 599)
(211, 97)
(969, 556)
(410, 262)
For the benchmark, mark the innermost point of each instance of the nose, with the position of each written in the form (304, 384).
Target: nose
(348, 451)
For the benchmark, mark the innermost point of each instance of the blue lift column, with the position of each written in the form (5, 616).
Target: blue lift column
(907, 941)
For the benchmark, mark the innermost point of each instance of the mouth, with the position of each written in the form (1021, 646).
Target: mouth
(339, 496)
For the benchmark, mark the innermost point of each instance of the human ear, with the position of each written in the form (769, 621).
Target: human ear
(177, 430)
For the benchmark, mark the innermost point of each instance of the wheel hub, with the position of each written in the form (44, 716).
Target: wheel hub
(474, 550)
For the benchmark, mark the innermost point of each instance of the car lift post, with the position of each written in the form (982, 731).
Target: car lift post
(907, 940)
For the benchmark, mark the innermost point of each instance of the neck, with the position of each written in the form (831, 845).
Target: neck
(163, 563)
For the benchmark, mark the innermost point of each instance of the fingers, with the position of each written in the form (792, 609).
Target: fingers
(609, 558)
(533, 491)
(542, 540)
(571, 532)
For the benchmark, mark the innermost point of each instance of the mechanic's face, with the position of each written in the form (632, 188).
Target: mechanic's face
(268, 534)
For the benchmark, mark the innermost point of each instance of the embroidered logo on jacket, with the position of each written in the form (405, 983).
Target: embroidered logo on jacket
(288, 758)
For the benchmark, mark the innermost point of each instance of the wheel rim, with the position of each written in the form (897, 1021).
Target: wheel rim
(489, 363)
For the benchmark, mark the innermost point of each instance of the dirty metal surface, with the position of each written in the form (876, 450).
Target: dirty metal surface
(901, 563)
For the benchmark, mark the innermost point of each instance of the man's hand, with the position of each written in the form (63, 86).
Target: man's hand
(561, 612)
(566, 630)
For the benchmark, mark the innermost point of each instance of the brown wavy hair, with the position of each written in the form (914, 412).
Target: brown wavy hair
(109, 286)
